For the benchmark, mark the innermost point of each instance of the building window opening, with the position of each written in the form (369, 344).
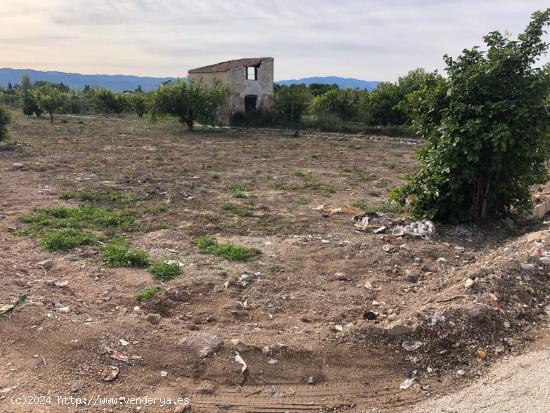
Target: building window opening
(251, 73)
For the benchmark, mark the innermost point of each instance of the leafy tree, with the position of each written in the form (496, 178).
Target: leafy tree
(384, 105)
(291, 102)
(49, 98)
(342, 103)
(5, 119)
(105, 101)
(138, 101)
(318, 89)
(191, 101)
(486, 130)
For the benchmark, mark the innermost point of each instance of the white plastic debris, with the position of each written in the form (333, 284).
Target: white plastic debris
(405, 384)
(241, 361)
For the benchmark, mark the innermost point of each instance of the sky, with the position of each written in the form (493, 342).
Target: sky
(365, 39)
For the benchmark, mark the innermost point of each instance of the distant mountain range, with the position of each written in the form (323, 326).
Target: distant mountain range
(119, 83)
(342, 82)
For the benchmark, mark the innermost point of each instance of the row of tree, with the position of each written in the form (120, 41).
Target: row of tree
(322, 103)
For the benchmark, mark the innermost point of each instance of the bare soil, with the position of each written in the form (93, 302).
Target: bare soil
(300, 325)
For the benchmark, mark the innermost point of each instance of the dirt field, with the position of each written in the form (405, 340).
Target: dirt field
(329, 318)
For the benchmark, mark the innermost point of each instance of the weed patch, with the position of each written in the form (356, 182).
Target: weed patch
(117, 253)
(165, 270)
(229, 251)
(110, 197)
(147, 293)
(65, 239)
(240, 210)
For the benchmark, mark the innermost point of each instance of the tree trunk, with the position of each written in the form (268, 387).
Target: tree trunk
(189, 124)
(484, 204)
(51, 116)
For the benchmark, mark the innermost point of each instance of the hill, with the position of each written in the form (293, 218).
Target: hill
(117, 83)
(342, 82)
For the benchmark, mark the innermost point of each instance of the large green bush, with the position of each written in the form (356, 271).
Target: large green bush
(486, 130)
(49, 98)
(4, 120)
(291, 102)
(191, 101)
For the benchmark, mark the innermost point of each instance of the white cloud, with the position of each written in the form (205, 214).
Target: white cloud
(368, 39)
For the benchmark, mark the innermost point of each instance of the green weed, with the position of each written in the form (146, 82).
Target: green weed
(229, 251)
(164, 270)
(117, 253)
(147, 293)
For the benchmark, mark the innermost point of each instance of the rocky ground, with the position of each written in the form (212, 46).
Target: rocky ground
(330, 317)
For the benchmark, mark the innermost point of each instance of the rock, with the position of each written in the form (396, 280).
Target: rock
(370, 315)
(340, 276)
(536, 236)
(509, 223)
(469, 283)
(389, 248)
(412, 345)
(46, 264)
(18, 166)
(153, 318)
(310, 380)
(399, 329)
(203, 344)
(64, 309)
(207, 388)
(527, 266)
(163, 373)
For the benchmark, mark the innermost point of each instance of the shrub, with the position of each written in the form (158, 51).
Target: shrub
(255, 118)
(117, 253)
(165, 270)
(49, 98)
(147, 293)
(65, 239)
(105, 101)
(485, 129)
(232, 252)
(191, 101)
(291, 102)
(5, 119)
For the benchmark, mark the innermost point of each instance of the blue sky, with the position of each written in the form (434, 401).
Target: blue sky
(367, 39)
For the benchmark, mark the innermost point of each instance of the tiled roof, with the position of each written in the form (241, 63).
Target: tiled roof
(230, 64)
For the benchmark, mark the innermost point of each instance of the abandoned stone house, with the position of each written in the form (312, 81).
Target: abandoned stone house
(250, 83)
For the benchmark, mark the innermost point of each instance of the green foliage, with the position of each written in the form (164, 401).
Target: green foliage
(165, 270)
(232, 252)
(236, 209)
(139, 102)
(191, 101)
(147, 293)
(344, 104)
(486, 130)
(255, 118)
(48, 98)
(291, 102)
(5, 119)
(105, 101)
(117, 253)
(109, 197)
(62, 228)
(65, 239)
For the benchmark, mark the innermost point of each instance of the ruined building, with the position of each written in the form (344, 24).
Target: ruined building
(250, 83)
